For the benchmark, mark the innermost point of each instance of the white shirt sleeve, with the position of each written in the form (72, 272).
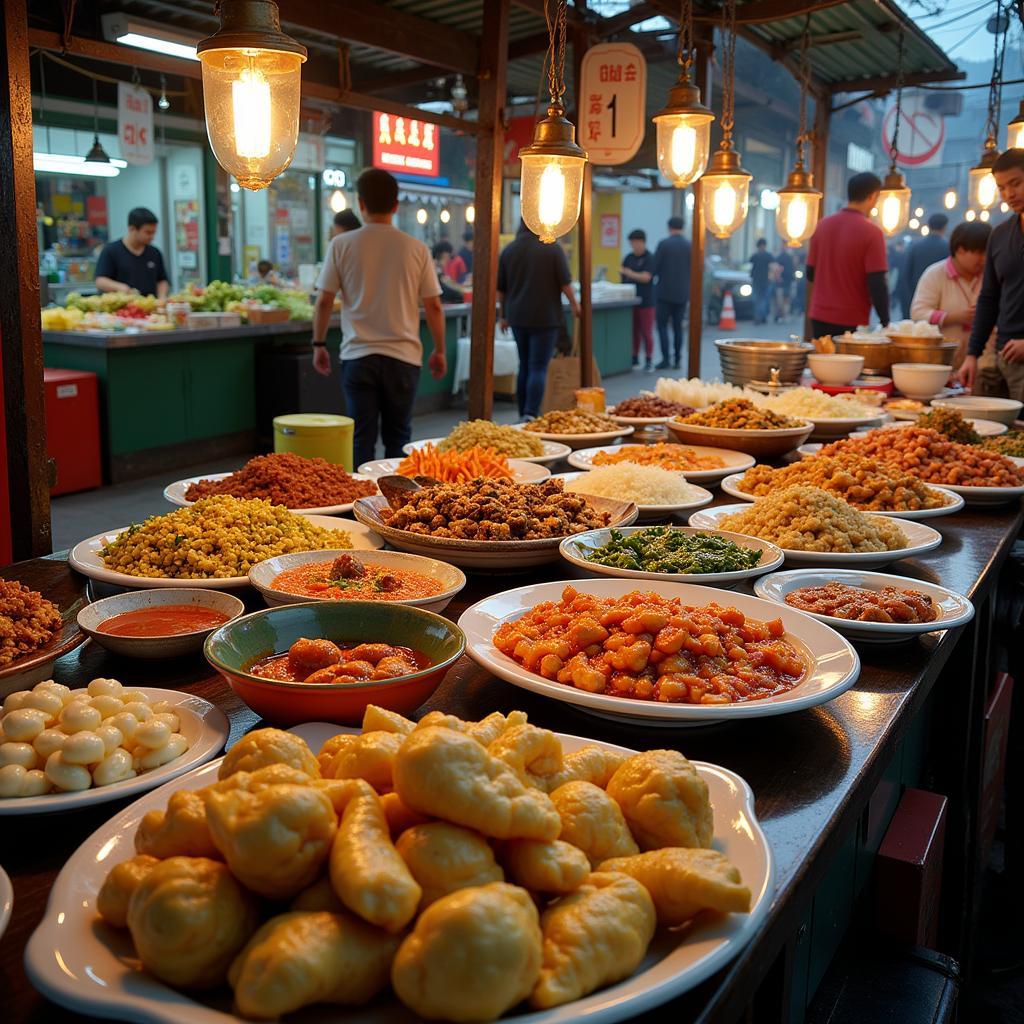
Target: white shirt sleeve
(330, 274)
(927, 301)
(429, 284)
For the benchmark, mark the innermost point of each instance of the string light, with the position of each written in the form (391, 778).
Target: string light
(925, 230)
(949, 200)
(914, 224)
(984, 215)
(421, 215)
(470, 213)
(1004, 207)
(970, 215)
(445, 216)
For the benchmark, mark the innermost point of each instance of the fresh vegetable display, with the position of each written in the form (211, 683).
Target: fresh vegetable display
(662, 549)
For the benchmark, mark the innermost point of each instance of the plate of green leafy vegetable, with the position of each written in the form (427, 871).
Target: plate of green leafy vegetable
(713, 557)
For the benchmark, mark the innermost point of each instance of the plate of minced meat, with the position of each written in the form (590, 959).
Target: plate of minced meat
(37, 626)
(313, 486)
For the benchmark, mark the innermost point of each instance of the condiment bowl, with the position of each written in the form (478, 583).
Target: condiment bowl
(451, 578)
(834, 368)
(920, 380)
(233, 649)
(1002, 410)
(169, 645)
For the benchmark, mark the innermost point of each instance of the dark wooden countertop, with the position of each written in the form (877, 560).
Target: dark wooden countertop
(812, 772)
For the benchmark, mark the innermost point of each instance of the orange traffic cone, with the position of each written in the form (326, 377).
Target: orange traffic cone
(727, 319)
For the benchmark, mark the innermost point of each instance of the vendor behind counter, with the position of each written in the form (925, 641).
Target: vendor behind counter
(132, 263)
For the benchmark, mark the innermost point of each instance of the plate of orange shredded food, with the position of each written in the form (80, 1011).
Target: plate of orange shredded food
(698, 464)
(868, 606)
(659, 653)
(455, 468)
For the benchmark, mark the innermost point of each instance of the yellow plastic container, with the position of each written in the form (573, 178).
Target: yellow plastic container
(316, 435)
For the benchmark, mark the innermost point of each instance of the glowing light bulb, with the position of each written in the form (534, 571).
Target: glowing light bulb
(924, 230)
(470, 213)
(250, 104)
(949, 200)
(421, 216)
(919, 212)
(683, 149)
(445, 216)
(552, 195)
(984, 215)
(338, 201)
(724, 204)
(914, 224)
(970, 215)
(1004, 207)
(796, 217)
(987, 190)
(890, 213)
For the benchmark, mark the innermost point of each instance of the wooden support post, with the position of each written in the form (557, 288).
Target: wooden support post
(490, 151)
(584, 233)
(819, 167)
(21, 338)
(697, 249)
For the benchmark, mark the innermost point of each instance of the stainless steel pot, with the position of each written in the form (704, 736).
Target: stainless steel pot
(747, 359)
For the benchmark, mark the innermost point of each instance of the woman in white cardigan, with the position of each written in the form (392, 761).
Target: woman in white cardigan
(948, 290)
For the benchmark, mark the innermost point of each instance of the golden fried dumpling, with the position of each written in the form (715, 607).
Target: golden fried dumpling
(588, 764)
(485, 732)
(188, 918)
(300, 958)
(472, 955)
(682, 882)
(593, 937)
(275, 840)
(449, 775)
(261, 778)
(550, 867)
(117, 888)
(399, 816)
(444, 858)
(180, 831)
(367, 873)
(383, 720)
(263, 747)
(319, 896)
(664, 799)
(591, 820)
(369, 756)
(531, 752)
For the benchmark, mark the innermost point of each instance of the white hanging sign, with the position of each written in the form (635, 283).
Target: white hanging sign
(135, 123)
(922, 133)
(612, 103)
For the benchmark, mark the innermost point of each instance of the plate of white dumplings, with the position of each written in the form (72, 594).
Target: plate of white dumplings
(63, 748)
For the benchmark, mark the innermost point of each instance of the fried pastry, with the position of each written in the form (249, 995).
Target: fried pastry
(683, 882)
(473, 955)
(300, 958)
(263, 747)
(485, 732)
(188, 919)
(117, 888)
(367, 873)
(449, 775)
(593, 937)
(532, 753)
(376, 719)
(550, 867)
(399, 816)
(664, 800)
(369, 756)
(180, 831)
(319, 896)
(444, 858)
(588, 764)
(592, 821)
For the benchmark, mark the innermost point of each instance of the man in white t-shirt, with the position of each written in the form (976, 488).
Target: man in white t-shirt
(383, 275)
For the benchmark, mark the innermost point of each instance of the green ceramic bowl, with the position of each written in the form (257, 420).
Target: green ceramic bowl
(239, 644)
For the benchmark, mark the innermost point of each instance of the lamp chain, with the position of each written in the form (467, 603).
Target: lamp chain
(556, 50)
(895, 147)
(728, 71)
(684, 55)
(805, 86)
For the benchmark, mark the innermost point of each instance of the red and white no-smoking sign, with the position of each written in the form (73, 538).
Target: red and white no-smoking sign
(135, 123)
(612, 103)
(922, 133)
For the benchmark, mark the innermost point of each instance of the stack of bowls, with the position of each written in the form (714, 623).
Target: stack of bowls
(747, 359)
(907, 349)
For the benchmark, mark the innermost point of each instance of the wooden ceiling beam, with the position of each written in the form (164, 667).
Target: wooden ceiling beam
(396, 79)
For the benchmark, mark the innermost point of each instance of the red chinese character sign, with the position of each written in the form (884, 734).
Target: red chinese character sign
(135, 123)
(613, 102)
(405, 145)
(922, 133)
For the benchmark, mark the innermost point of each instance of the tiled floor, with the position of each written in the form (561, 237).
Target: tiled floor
(76, 516)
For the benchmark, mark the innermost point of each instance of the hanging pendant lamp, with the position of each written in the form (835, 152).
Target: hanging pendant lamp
(551, 186)
(894, 198)
(97, 154)
(982, 191)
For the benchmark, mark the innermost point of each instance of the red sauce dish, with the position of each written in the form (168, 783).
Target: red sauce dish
(163, 620)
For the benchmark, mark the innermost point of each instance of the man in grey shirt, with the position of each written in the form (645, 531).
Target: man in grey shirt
(671, 292)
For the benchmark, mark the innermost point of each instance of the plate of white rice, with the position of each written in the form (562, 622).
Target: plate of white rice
(657, 493)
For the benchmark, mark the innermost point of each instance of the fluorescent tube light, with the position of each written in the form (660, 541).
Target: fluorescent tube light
(165, 46)
(128, 30)
(54, 163)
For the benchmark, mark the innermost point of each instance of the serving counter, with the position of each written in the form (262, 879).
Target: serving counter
(827, 781)
(177, 397)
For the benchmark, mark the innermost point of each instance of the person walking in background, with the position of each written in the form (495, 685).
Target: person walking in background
(532, 278)
(846, 263)
(760, 278)
(382, 274)
(897, 255)
(947, 292)
(921, 254)
(671, 292)
(345, 220)
(784, 285)
(638, 267)
(1001, 299)
(466, 255)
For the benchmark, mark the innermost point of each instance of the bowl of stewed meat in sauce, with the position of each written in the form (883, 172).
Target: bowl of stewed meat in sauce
(326, 660)
(389, 576)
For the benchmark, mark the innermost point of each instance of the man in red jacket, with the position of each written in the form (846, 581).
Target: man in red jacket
(847, 263)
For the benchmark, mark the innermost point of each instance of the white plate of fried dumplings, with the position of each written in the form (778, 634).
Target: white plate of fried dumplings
(607, 935)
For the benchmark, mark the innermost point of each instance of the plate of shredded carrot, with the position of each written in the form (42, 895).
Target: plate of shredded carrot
(455, 467)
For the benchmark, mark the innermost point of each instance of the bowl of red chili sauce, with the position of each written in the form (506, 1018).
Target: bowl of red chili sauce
(165, 623)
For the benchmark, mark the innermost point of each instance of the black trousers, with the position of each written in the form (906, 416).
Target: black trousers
(379, 394)
(664, 312)
(822, 327)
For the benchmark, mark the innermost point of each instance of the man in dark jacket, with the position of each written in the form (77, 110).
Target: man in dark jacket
(921, 254)
(671, 292)
(532, 278)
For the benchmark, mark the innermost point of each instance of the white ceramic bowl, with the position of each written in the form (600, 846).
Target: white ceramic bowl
(170, 646)
(835, 369)
(452, 579)
(920, 380)
(1002, 410)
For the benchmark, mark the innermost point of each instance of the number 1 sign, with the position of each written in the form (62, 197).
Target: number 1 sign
(613, 115)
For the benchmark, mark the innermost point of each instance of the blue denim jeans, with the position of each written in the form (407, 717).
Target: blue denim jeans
(762, 302)
(379, 390)
(670, 311)
(536, 346)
